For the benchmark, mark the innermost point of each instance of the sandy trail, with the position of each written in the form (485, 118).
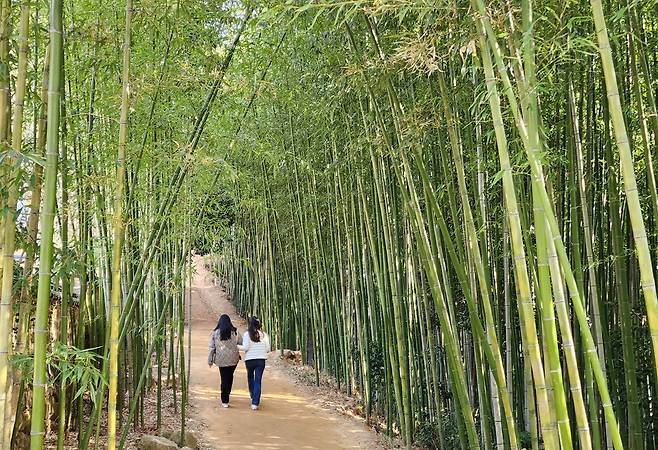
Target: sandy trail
(287, 417)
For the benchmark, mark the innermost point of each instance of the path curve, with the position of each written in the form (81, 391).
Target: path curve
(287, 418)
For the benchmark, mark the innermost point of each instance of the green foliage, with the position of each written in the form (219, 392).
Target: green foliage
(215, 222)
(377, 364)
(66, 362)
(525, 439)
(428, 435)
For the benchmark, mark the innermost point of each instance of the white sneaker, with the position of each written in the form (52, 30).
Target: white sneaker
(224, 405)
(254, 407)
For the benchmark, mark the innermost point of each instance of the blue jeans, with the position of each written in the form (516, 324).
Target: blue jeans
(255, 368)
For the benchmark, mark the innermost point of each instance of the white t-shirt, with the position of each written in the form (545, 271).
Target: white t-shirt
(255, 350)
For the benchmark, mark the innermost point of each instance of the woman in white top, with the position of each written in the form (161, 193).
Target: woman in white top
(256, 346)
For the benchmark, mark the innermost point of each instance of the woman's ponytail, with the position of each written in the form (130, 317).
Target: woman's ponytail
(254, 328)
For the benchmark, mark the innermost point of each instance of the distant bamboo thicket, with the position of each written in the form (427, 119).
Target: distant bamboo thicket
(452, 208)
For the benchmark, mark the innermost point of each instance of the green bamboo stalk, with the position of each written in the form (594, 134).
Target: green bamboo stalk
(47, 226)
(588, 340)
(66, 281)
(33, 218)
(118, 232)
(474, 250)
(7, 224)
(628, 173)
(523, 284)
(569, 347)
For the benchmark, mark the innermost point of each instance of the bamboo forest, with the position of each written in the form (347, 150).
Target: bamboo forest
(447, 209)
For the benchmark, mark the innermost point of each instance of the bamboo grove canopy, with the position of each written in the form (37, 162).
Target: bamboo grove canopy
(449, 207)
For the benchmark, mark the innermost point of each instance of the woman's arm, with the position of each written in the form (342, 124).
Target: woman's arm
(268, 345)
(246, 343)
(211, 349)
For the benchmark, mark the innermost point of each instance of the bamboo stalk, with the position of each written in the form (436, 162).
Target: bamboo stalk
(118, 233)
(47, 226)
(628, 173)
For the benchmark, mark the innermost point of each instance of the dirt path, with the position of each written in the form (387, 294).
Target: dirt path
(287, 417)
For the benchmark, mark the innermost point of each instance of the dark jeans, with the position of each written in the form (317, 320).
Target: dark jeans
(226, 375)
(255, 368)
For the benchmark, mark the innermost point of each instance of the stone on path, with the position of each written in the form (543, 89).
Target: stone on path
(156, 443)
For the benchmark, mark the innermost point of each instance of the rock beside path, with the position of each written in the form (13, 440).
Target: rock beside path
(190, 440)
(156, 443)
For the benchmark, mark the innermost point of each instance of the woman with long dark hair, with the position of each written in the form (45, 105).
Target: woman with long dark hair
(223, 352)
(256, 347)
